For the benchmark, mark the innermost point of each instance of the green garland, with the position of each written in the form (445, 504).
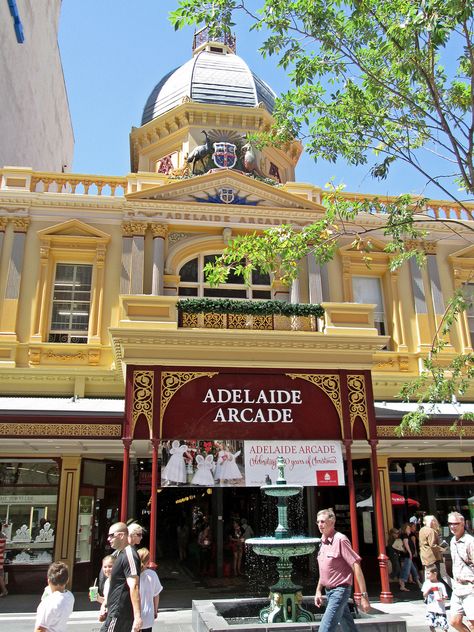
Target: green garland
(254, 308)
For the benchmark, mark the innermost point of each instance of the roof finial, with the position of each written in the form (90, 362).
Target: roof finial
(203, 36)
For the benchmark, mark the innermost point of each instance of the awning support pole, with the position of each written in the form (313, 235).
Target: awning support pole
(385, 596)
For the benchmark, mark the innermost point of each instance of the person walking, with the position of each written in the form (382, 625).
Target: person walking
(435, 596)
(408, 567)
(123, 600)
(55, 608)
(236, 541)
(135, 534)
(338, 563)
(462, 555)
(150, 588)
(394, 553)
(429, 542)
(432, 549)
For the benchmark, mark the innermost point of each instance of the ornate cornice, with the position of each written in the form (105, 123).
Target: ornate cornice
(60, 430)
(428, 430)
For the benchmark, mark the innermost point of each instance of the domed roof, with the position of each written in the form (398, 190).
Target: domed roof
(211, 76)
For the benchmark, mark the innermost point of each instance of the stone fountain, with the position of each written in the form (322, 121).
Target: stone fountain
(285, 596)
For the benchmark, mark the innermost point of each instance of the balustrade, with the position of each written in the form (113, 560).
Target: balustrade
(78, 184)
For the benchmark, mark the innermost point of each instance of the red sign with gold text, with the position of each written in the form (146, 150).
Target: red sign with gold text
(248, 404)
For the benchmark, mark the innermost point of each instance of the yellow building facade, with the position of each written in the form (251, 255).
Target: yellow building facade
(93, 270)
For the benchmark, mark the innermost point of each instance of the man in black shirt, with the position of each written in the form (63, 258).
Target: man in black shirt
(123, 601)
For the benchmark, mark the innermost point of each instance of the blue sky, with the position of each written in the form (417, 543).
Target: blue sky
(115, 51)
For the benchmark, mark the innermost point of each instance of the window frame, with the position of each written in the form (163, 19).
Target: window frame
(70, 332)
(72, 242)
(201, 285)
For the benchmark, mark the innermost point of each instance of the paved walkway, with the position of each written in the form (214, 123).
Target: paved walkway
(180, 620)
(17, 612)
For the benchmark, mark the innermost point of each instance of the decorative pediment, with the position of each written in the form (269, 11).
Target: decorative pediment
(465, 254)
(229, 188)
(463, 265)
(73, 228)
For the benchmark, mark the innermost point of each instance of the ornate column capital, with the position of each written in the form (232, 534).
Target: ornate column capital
(133, 229)
(429, 247)
(3, 224)
(159, 230)
(20, 224)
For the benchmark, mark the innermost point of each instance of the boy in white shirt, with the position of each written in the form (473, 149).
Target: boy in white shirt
(435, 595)
(150, 588)
(56, 607)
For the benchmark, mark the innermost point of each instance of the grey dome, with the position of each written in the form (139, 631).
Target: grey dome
(209, 77)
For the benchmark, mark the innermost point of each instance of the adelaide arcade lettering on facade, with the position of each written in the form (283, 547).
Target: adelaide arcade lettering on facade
(234, 396)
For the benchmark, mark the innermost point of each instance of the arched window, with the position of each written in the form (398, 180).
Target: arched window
(193, 283)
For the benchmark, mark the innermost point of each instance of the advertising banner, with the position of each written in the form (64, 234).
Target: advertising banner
(212, 463)
(308, 463)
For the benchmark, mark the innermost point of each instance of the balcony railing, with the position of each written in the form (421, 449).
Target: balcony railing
(212, 320)
(170, 313)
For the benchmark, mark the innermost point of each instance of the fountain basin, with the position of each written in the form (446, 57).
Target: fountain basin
(283, 547)
(241, 615)
(281, 490)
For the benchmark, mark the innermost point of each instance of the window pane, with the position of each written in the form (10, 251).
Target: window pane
(189, 271)
(223, 293)
(262, 294)
(260, 278)
(188, 291)
(368, 290)
(71, 303)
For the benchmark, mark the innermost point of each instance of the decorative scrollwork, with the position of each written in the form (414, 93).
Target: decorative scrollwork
(60, 430)
(330, 385)
(143, 383)
(358, 401)
(214, 321)
(172, 382)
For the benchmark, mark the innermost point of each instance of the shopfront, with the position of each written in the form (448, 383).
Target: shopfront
(28, 514)
(215, 429)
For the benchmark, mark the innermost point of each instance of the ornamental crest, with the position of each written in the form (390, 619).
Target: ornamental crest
(224, 155)
(226, 195)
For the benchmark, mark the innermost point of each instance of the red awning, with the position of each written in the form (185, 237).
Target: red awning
(398, 500)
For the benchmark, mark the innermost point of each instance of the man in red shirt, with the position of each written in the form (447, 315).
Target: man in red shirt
(338, 562)
(3, 541)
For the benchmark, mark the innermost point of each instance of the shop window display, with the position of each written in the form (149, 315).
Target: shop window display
(28, 510)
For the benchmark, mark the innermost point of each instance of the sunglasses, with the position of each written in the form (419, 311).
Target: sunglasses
(113, 535)
(453, 524)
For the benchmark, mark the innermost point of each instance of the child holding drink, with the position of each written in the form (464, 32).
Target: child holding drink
(435, 595)
(107, 565)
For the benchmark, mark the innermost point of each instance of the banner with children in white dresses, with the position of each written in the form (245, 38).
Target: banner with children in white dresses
(250, 463)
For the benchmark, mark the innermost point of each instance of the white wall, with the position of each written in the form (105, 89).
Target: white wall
(35, 124)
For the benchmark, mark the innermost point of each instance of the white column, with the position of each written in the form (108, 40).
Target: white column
(20, 226)
(159, 235)
(315, 293)
(133, 254)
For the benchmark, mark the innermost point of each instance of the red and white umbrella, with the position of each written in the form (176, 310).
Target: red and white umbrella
(398, 500)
